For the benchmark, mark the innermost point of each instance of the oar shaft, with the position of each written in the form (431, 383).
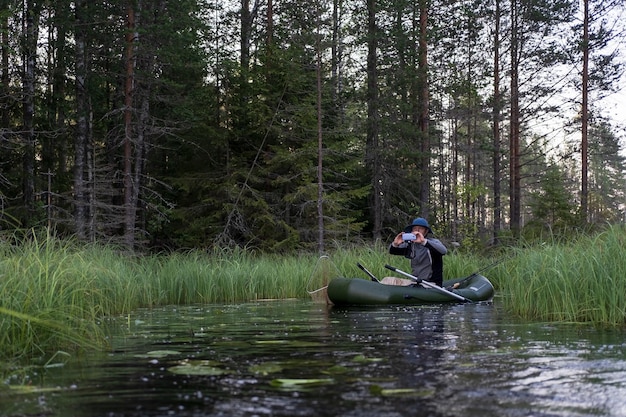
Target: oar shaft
(372, 276)
(428, 284)
(406, 274)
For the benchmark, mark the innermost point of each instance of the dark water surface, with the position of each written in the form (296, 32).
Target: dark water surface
(297, 358)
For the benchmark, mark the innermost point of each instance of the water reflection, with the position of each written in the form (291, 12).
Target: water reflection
(295, 358)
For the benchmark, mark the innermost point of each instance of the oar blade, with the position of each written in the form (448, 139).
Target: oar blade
(369, 274)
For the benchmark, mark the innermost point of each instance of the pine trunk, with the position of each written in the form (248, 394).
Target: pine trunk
(424, 100)
(31, 17)
(585, 115)
(497, 108)
(514, 169)
(80, 138)
(129, 183)
(372, 152)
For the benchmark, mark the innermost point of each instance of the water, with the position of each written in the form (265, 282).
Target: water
(296, 358)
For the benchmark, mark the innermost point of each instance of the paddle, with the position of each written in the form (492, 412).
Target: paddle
(372, 276)
(429, 284)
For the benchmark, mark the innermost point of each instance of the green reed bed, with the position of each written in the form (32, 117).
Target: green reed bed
(226, 276)
(582, 281)
(42, 293)
(55, 293)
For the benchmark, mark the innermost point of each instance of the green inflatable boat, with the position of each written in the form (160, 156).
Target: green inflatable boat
(357, 291)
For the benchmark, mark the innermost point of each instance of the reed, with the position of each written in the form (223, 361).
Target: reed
(583, 281)
(55, 292)
(43, 301)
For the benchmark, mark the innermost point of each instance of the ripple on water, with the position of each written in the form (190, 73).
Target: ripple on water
(295, 358)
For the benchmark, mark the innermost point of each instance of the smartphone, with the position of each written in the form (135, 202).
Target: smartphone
(408, 237)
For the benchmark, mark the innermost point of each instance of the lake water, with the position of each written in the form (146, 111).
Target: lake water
(298, 358)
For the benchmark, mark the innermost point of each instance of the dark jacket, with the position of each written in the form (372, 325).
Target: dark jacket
(426, 260)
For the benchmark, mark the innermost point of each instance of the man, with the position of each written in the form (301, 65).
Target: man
(426, 254)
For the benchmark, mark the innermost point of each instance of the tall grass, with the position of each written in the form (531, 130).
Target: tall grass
(581, 281)
(44, 291)
(53, 293)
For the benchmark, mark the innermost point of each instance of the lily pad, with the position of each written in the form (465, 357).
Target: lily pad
(298, 383)
(364, 359)
(401, 392)
(157, 354)
(204, 368)
(336, 370)
(293, 343)
(31, 389)
(266, 368)
(271, 342)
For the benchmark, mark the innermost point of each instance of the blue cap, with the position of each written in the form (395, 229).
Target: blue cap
(420, 221)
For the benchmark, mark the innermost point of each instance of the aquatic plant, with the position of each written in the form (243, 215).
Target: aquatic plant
(55, 293)
(46, 304)
(583, 281)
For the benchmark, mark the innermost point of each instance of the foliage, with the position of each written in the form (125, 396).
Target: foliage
(56, 292)
(579, 281)
(224, 128)
(552, 206)
(607, 182)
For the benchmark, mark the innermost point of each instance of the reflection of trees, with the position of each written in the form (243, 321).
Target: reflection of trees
(408, 337)
(411, 341)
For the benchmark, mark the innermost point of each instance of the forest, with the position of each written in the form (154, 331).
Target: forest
(281, 125)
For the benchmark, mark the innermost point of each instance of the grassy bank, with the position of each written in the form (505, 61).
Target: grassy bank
(54, 292)
(583, 281)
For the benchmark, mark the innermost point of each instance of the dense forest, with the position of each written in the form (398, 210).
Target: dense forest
(283, 124)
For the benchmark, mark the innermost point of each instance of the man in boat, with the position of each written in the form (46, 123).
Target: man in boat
(425, 252)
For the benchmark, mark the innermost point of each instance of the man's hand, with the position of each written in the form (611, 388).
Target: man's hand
(397, 241)
(420, 239)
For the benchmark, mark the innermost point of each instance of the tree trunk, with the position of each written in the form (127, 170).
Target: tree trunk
(59, 93)
(585, 116)
(81, 139)
(270, 24)
(424, 165)
(31, 17)
(335, 57)
(514, 168)
(454, 145)
(246, 27)
(497, 108)
(320, 144)
(372, 151)
(6, 81)
(129, 185)
(140, 147)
